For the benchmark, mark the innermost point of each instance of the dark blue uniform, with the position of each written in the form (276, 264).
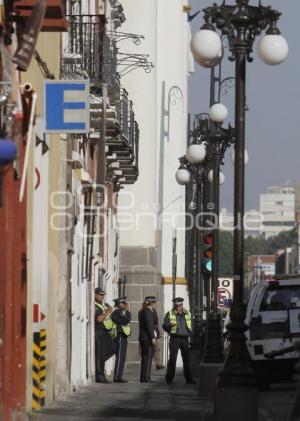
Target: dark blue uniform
(146, 336)
(120, 318)
(178, 340)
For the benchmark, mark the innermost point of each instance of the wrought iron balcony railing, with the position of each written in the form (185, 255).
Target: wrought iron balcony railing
(92, 51)
(123, 148)
(136, 144)
(83, 47)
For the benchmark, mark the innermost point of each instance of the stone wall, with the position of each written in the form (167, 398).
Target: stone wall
(138, 264)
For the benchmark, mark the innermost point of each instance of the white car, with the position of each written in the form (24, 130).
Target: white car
(273, 317)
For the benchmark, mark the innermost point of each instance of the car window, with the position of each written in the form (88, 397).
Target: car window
(281, 298)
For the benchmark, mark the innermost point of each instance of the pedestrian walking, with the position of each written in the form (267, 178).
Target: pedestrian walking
(178, 324)
(156, 347)
(146, 338)
(121, 318)
(104, 344)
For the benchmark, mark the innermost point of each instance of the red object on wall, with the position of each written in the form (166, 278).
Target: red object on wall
(35, 313)
(55, 14)
(12, 294)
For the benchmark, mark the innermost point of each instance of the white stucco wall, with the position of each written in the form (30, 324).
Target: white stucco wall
(160, 103)
(141, 18)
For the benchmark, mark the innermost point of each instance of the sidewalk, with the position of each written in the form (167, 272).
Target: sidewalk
(131, 401)
(134, 401)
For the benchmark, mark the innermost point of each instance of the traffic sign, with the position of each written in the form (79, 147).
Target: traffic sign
(225, 292)
(66, 106)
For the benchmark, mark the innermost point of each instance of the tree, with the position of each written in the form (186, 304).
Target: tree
(253, 246)
(226, 254)
(282, 241)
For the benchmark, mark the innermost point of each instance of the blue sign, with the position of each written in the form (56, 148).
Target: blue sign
(66, 106)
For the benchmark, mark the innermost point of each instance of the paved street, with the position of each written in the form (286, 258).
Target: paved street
(156, 401)
(275, 405)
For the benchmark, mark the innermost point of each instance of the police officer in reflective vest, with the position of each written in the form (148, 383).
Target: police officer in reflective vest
(178, 323)
(121, 318)
(104, 343)
(146, 337)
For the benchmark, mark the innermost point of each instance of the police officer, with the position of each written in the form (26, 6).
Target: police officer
(178, 323)
(146, 337)
(121, 318)
(104, 344)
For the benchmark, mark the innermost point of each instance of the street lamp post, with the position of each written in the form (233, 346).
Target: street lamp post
(240, 23)
(198, 316)
(217, 140)
(209, 132)
(194, 163)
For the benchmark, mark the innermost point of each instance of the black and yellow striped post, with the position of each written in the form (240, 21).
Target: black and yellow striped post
(39, 347)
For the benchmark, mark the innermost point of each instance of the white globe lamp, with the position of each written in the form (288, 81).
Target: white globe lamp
(208, 63)
(210, 177)
(272, 49)
(218, 113)
(196, 153)
(206, 45)
(182, 176)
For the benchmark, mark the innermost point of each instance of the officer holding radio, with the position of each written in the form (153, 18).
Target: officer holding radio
(104, 344)
(121, 318)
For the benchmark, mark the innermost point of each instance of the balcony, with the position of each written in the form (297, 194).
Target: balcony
(83, 48)
(123, 149)
(54, 20)
(89, 52)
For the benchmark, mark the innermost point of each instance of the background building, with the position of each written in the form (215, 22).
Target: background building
(253, 222)
(277, 207)
(261, 267)
(288, 259)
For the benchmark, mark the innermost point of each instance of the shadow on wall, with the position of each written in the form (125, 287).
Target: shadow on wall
(174, 97)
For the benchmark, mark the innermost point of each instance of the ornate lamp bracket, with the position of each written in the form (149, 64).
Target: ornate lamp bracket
(241, 23)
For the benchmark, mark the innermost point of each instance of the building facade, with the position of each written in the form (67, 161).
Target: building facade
(59, 210)
(19, 104)
(153, 209)
(252, 222)
(277, 209)
(82, 210)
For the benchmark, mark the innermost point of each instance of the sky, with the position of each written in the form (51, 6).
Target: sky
(273, 99)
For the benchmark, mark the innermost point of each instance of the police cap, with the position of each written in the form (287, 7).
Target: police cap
(150, 299)
(178, 301)
(99, 291)
(121, 300)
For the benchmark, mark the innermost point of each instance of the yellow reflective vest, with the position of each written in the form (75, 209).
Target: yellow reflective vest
(107, 323)
(125, 328)
(173, 321)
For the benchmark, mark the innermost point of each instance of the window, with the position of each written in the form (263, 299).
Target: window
(281, 298)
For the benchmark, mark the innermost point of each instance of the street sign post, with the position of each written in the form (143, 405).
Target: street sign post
(66, 106)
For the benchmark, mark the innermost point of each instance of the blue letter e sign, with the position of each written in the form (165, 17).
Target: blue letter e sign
(66, 106)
